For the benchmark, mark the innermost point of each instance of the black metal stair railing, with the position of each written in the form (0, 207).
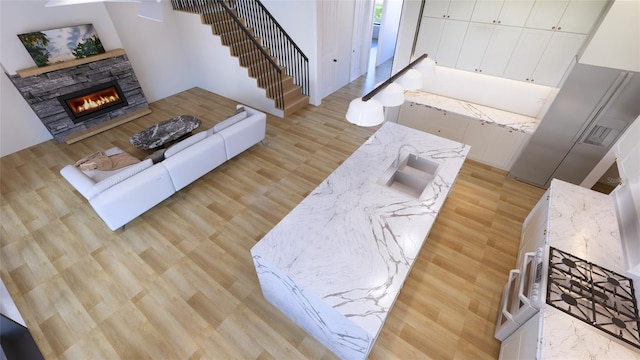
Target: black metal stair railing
(276, 39)
(225, 22)
(225, 17)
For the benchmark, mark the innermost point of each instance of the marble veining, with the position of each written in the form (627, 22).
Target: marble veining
(164, 132)
(583, 223)
(506, 119)
(336, 263)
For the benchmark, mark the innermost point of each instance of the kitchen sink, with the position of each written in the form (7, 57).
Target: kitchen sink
(410, 175)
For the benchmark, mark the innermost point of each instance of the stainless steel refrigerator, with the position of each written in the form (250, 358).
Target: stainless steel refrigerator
(592, 109)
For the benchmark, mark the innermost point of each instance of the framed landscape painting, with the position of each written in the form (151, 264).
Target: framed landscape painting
(48, 47)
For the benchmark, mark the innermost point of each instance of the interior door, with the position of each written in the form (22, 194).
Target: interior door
(391, 12)
(335, 28)
(362, 33)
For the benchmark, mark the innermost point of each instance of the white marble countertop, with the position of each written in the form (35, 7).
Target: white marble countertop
(351, 243)
(513, 121)
(583, 223)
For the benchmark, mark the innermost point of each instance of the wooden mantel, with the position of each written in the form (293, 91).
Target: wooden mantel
(67, 64)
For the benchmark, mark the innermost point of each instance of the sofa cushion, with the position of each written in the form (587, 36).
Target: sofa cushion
(240, 114)
(176, 148)
(120, 176)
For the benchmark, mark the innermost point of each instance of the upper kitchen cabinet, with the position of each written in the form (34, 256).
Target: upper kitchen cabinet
(503, 12)
(577, 16)
(546, 14)
(527, 40)
(449, 9)
(487, 48)
(441, 39)
(542, 56)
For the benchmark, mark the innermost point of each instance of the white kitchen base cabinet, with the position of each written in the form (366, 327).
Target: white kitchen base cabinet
(433, 121)
(491, 144)
(523, 343)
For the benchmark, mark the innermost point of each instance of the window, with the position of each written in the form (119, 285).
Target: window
(377, 13)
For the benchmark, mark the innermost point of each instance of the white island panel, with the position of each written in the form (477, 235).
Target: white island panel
(337, 262)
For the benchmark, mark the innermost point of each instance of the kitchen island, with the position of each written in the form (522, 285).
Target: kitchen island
(337, 262)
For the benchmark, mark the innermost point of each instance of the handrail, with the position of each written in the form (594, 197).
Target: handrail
(279, 44)
(275, 38)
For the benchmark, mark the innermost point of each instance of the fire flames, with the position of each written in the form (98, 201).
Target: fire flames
(92, 103)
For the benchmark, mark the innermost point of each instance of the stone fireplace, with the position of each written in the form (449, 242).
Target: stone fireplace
(81, 97)
(88, 103)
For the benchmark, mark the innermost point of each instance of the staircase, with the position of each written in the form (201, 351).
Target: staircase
(261, 46)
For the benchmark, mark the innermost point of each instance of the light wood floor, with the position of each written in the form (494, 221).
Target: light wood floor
(179, 282)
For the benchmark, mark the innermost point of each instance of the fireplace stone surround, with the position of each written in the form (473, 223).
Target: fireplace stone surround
(41, 89)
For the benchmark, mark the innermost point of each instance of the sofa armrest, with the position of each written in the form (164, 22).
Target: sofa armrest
(245, 133)
(78, 180)
(130, 198)
(90, 188)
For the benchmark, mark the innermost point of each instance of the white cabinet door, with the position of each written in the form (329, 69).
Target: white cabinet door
(523, 343)
(534, 228)
(503, 42)
(580, 16)
(557, 57)
(436, 8)
(429, 36)
(546, 14)
(474, 46)
(492, 144)
(451, 41)
(433, 121)
(504, 147)
(460, 9)
(515, 12)
(487, 11)
(526, 56)
(505, 12)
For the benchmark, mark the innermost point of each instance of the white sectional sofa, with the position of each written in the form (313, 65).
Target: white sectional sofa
(121, 195)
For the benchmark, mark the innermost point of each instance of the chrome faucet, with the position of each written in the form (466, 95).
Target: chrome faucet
(400, 151)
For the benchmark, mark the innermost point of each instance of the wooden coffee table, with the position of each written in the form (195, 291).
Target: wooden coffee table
(164, 132)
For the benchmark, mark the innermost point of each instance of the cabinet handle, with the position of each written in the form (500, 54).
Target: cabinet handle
(553, 28)
(559, 28)
(494, 21)
(499, 22)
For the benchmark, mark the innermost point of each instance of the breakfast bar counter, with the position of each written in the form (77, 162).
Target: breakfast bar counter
(336, 263)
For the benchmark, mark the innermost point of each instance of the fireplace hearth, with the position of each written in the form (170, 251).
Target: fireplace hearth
(82, 97)
(88, 103)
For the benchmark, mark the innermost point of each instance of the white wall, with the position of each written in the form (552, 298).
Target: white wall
(156, 50)
(616, 43)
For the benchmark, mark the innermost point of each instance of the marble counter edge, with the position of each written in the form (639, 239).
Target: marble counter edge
(494, 116)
